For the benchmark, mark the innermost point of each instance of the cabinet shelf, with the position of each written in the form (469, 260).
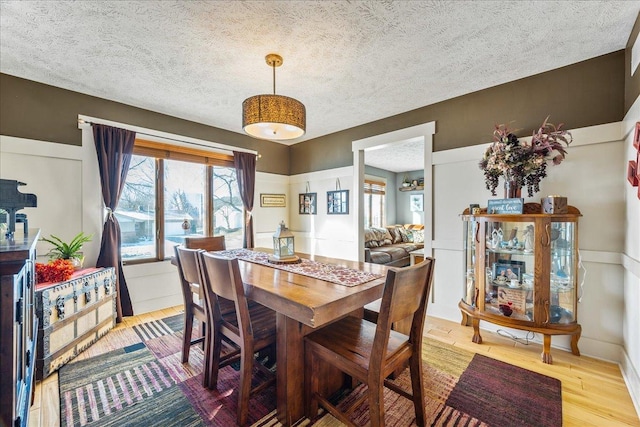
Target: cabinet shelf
(538, 290)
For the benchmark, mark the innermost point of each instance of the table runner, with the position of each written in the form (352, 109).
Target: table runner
(337, 274)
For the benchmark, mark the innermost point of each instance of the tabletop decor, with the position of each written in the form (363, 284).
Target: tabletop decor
(522, 163)
(333, 273)
(283, 246)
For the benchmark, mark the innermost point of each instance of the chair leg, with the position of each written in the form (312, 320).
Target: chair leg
(246, 369)
(215, 348)
(203, 334)
(415, 366)
(376, 403)
(186, 339)
(206, 369)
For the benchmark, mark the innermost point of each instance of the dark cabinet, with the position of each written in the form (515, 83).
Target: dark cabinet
(18, 327)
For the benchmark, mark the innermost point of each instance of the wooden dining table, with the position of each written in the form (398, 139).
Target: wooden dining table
(302, 304)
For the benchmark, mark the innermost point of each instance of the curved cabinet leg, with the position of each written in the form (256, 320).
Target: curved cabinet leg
(465, 319)
(476, 331)
(574, 341)
(546, 350)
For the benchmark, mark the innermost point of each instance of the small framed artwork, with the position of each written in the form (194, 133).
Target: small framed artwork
(338, 202)
(632, 173)
(504, 272)
(636, 137)
(273, 200)
(416, 202)
(307, 203)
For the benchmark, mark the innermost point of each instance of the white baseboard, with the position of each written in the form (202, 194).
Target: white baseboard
(631, 378)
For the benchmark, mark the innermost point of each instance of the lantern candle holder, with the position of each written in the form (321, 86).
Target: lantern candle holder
(283, 247)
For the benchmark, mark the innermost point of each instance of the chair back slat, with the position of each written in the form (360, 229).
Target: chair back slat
(188, 264)
(222, 280)
(206, 243)
(406, 293)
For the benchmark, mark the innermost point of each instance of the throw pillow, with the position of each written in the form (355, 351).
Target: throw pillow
(407, 236)
(418, 236)
(396, 237)
(370, 240)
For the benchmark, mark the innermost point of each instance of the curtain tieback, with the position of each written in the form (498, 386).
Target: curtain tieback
(109, 214)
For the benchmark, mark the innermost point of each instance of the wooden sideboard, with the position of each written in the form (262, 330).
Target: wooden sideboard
(18, 326)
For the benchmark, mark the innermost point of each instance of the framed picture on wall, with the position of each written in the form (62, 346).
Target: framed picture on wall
(338, 202)
(273, 200)
(307, 203)
(636, 137)
(416, 202)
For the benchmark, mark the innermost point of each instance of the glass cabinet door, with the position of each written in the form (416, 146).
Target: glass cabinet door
(562, 292)
(470, 261)
(509, 265)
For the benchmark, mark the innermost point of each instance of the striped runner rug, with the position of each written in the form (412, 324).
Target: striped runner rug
(145, 384)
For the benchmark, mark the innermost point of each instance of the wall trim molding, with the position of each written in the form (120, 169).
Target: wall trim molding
(599, 134)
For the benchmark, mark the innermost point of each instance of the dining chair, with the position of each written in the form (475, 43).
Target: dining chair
(370, 352)
(188, 270)
(210, 243)
(207, 243)
(251, 328)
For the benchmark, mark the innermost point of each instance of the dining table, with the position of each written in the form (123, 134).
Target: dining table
(303, 303)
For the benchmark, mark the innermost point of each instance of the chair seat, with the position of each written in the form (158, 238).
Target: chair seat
(352, 339)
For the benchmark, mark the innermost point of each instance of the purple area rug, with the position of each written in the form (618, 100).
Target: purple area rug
(500, 394)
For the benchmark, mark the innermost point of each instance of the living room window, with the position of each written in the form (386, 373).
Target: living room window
(197, 191)
(374, 203)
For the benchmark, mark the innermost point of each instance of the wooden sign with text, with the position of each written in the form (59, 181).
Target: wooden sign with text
(505, 206)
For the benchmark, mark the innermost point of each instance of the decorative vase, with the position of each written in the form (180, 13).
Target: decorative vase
(512, 189)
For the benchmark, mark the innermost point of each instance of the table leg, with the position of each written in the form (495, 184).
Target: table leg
(289, 370)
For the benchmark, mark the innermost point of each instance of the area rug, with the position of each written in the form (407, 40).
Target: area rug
(145, 383)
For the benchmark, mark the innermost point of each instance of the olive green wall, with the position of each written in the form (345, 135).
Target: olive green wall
(632, 82)
(588, 93)
(47, 113)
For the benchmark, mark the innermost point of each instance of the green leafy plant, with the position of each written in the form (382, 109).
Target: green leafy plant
(65, 250)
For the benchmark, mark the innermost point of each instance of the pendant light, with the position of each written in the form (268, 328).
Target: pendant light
(273, 117)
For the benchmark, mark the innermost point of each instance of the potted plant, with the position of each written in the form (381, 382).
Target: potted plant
(70, 251)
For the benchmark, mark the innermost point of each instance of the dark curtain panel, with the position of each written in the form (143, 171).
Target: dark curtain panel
(114, 147)
(245, 164)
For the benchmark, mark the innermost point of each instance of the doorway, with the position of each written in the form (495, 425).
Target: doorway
(416, 134)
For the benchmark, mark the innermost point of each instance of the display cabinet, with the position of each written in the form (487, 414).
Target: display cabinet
(521, 272)
(18, 326)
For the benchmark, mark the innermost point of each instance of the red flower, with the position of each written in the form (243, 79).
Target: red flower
(59, 270)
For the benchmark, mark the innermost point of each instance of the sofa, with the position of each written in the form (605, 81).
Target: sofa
(391, 244)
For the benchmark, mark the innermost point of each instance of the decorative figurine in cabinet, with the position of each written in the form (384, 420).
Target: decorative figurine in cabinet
(522, 273)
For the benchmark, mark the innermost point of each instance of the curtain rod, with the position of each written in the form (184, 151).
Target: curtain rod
(83, 122)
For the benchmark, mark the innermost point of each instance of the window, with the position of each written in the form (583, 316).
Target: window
(197, 191)
(374, 203)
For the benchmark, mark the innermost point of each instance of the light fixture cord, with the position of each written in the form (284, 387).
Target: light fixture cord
(273, 65)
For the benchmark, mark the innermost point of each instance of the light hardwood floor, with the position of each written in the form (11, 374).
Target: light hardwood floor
(593, 391)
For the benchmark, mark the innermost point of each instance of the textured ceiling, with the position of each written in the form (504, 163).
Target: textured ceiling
(349, 62)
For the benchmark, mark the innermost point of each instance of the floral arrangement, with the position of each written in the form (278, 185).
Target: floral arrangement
(59, 270)
(523, 163)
